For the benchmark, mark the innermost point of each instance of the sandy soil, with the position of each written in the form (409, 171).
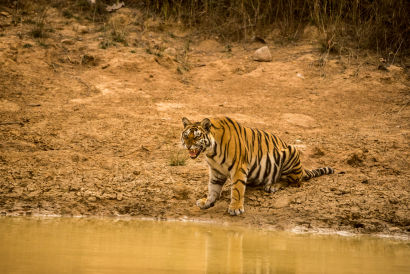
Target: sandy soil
(108, 153)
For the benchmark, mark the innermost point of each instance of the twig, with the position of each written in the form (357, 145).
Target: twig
(396, 53)
(403, 106)
(11, 123)
(142, 148)
(89, 88)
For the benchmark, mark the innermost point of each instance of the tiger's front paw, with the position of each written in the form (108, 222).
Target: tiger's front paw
(236, 209)
(203, 203)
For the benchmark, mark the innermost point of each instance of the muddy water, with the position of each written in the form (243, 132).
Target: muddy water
(78, 245)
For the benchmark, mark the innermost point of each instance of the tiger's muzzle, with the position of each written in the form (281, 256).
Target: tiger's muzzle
(193, 153)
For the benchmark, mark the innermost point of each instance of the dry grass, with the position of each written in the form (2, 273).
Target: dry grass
(382, 26)
(347, 25)
(177, 157)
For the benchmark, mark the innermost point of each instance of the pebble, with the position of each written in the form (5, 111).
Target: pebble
(68, 42)
(262, 55)
(171, 51)
(92, 199)
(394, 229)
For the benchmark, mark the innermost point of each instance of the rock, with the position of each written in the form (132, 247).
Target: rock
(171, 51)
(362, 179)
(115, 7)
(68, 42)
(119, 196)
(4, 13)
(257, 39)
(81, 29)
(394, 229)
(91, 2)
(262, 55)
(92, 199)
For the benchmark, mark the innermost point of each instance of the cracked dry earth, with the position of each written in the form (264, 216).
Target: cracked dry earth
(108, 154)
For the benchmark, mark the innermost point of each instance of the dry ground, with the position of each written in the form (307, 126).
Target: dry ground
(108, 152)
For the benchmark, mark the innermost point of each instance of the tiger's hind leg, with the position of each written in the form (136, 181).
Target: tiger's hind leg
(291, 170)
(272, 188)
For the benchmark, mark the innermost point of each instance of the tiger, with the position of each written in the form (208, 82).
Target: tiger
(248, 156)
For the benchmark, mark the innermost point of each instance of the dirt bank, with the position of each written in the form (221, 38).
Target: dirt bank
(91, 131)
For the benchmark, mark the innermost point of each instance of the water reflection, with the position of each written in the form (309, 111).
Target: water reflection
(70, 245)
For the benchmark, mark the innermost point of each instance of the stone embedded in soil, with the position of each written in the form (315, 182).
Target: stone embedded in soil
(92, 199)
(82, 29)
(171, 51)
(394, 229)
(119, 196)
(262, 55)
(68, 42)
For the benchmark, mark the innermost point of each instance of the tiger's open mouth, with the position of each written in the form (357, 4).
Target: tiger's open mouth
(193, 153)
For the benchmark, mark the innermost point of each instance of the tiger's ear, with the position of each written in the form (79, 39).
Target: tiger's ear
(186, 122)
(206, 124)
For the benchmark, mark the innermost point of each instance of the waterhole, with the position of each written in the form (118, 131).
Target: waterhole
(92, 245)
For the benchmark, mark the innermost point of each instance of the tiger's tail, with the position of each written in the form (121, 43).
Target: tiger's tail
(317, 172)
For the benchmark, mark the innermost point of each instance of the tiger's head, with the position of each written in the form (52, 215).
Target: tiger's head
(195, 136)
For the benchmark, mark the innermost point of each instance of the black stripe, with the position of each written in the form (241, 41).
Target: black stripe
(268, 166)
(239, 194)
(233, 162)
(217, 181)
(223, 133)
(217, 171)
(239, 181)
(252, 169)
(242, 170)
(225, 152)
(233, 124)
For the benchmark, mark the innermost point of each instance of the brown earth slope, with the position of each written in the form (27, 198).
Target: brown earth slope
(91, 131)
